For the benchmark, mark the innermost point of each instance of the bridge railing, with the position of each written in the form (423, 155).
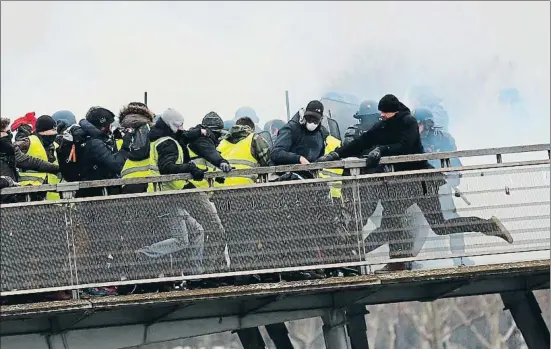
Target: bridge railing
(270, 226)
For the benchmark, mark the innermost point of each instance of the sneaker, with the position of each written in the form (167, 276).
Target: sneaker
(503, 232)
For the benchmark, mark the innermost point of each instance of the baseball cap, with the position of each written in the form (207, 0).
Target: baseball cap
(314, 108)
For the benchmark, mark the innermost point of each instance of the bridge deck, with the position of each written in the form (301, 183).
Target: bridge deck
(181, 314)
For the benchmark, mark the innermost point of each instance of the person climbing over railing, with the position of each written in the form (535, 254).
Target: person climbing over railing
(398, 134)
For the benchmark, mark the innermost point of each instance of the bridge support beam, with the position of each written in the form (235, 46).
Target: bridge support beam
(527, 315)
(251, 338)
(357, 329)
(279, 335)
(334, 329)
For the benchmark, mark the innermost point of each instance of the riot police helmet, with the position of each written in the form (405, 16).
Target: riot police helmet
(246, 112)
(367, 108)
(424, 117)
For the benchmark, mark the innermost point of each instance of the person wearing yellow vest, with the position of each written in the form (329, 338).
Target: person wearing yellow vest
(203, 150)
(41, 145)
(243, 149)
(332, 143)
(133, 119)
(167, 155)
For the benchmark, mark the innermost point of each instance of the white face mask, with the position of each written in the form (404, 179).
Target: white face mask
(310, 126)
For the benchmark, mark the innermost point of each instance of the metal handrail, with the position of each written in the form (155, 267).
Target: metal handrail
(349, 163)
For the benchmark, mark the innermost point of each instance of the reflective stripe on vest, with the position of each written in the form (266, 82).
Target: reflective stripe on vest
(172, 185)
(203, 165)
(239, 156)
(140, 169)
(36, 150)
(332, 143)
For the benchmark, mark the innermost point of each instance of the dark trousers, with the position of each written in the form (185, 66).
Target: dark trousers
(404, 192)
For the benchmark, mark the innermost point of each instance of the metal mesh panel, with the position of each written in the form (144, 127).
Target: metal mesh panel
(407, 214)
(186, 234)
(141, 237)
(276, 226)
(285, 226)
(34, 246)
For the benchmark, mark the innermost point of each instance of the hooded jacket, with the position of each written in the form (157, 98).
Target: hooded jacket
(294, 140)
(398, 135)
(205, 147)
(135, 121)
(168, 150)
(260, 150)
(99, 157)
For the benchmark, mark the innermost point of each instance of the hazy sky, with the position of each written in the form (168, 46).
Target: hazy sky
(204, 56)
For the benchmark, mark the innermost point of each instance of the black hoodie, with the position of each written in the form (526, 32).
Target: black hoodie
(398, 135)
(205, 147)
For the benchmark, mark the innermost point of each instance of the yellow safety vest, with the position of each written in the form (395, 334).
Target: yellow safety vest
(36, 150)
(239, 156)
(140, 169)
(119, 143)
(203, 165)
(332, 143)
(172, 185)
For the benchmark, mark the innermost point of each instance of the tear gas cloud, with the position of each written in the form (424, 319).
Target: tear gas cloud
(202, 56)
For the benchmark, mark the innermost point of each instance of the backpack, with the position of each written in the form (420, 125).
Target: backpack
(69, 153)
(139, 143)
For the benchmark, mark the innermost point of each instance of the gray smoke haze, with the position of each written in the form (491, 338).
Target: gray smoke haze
(202, 56)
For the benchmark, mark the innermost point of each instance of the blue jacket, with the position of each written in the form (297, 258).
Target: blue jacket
(99, 157)
(294, 141)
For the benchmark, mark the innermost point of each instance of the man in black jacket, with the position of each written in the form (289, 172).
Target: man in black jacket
(170, 124)
(398, 134)
(204, 148)
(302, 139)
(99, 157)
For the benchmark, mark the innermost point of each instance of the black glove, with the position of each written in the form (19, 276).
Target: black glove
(225, 166)
(126, 142)
(196, 173)
(373, 157)
(332, 156)
(220, 180)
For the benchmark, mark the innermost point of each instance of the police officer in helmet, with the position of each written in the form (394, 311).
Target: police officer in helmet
(368, 115)
(436, 140)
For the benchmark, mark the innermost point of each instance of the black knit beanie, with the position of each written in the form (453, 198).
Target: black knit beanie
(45, 123)
(389, 104)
